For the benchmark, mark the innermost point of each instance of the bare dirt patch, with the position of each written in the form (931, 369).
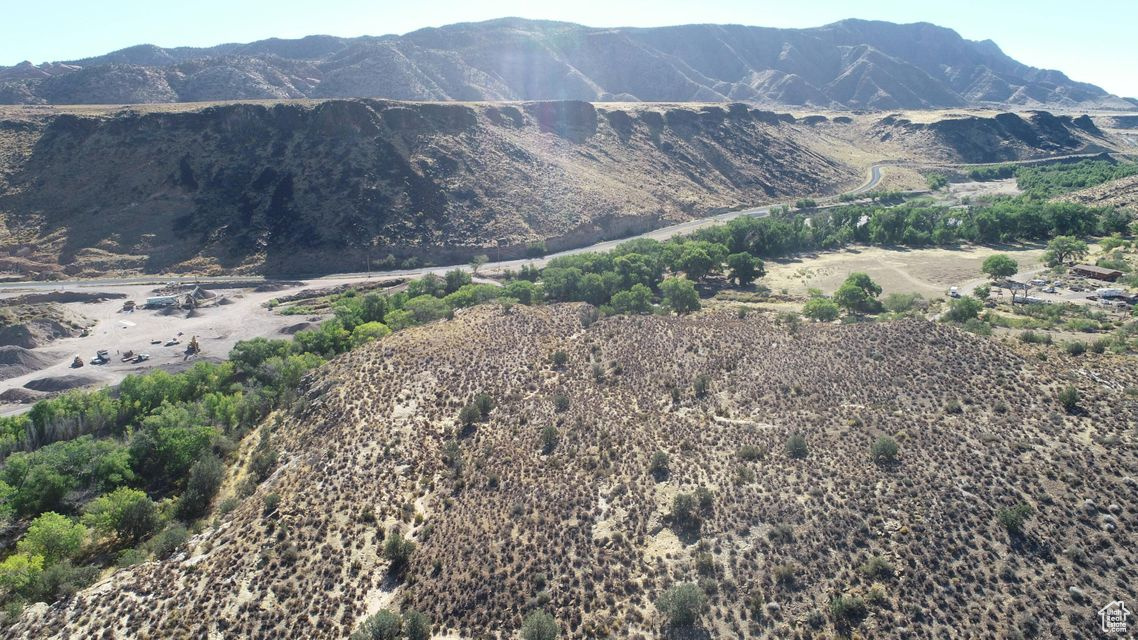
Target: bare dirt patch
(929, 272)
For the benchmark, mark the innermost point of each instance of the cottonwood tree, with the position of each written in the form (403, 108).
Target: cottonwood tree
(1064, 248)
(1000, 267)
(858, 294)
(680, 295)
(744, 268)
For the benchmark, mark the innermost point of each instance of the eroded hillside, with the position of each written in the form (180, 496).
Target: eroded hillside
(855, 64)
(319, 187)
(315, 187)
(510, 515)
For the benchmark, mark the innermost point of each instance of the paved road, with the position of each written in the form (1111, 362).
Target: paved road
(663, 233)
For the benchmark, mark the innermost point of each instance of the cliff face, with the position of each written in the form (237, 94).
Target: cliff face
(1005, 136)
(308, 188)
(852, 64)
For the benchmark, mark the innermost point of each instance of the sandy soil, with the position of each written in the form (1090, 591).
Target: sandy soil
(217, 328)
(990, 188)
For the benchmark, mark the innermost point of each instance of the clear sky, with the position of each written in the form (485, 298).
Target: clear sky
(1091, 41)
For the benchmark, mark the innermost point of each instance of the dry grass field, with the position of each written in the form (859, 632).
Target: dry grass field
(929, 272)
(549, 501)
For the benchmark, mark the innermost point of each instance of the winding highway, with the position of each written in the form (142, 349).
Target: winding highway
(661, 233)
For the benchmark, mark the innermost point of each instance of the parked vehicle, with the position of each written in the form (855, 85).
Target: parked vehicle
(142, 357)
(102, 356)
(953, 292)
(171, 342)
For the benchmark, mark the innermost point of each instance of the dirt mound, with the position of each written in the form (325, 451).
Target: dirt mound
(297, 328)
(19, 396)
(16, 361)
(60, 383)
(65, 296)
(35, 333)
(551, 498)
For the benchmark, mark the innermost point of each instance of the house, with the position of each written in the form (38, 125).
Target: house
(1098, 273)
(1113, 617)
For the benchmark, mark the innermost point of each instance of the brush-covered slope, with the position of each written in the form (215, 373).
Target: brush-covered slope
(1004, 136)
(317, 187)
(852, 64)
(506, 521)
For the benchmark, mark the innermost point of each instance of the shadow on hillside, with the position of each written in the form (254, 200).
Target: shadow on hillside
(685, 633)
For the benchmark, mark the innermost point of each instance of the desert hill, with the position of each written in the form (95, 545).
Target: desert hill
(550, 502)
(319, 187)
(854, 64)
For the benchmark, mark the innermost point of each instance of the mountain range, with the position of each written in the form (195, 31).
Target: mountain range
(852, 64)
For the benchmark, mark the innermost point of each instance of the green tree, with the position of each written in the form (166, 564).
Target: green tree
(962, 310)
(248, 355)
(1013, 518)
(416, 625)
(384, 625)
(885, 450)
(796, 446)
(456, 279)
(43, 489)
(368, 332)
(1069, 398)
(549, 438)
(683, 604)
(999, 267)
(524, 291)
(469, 415)
(981, 292)
(397, 550)
(539, 625)
(680, 295)
(204, 481)
(1061, 249)
(426, 308)
(125, 513)
(685, 510)
(744, 268)
(429, 285)
(695, 262)
(858, 294)
(54, 537)
(820, 309)
(398, 319)
(20, 572)
(638, 299)
(477, 262)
